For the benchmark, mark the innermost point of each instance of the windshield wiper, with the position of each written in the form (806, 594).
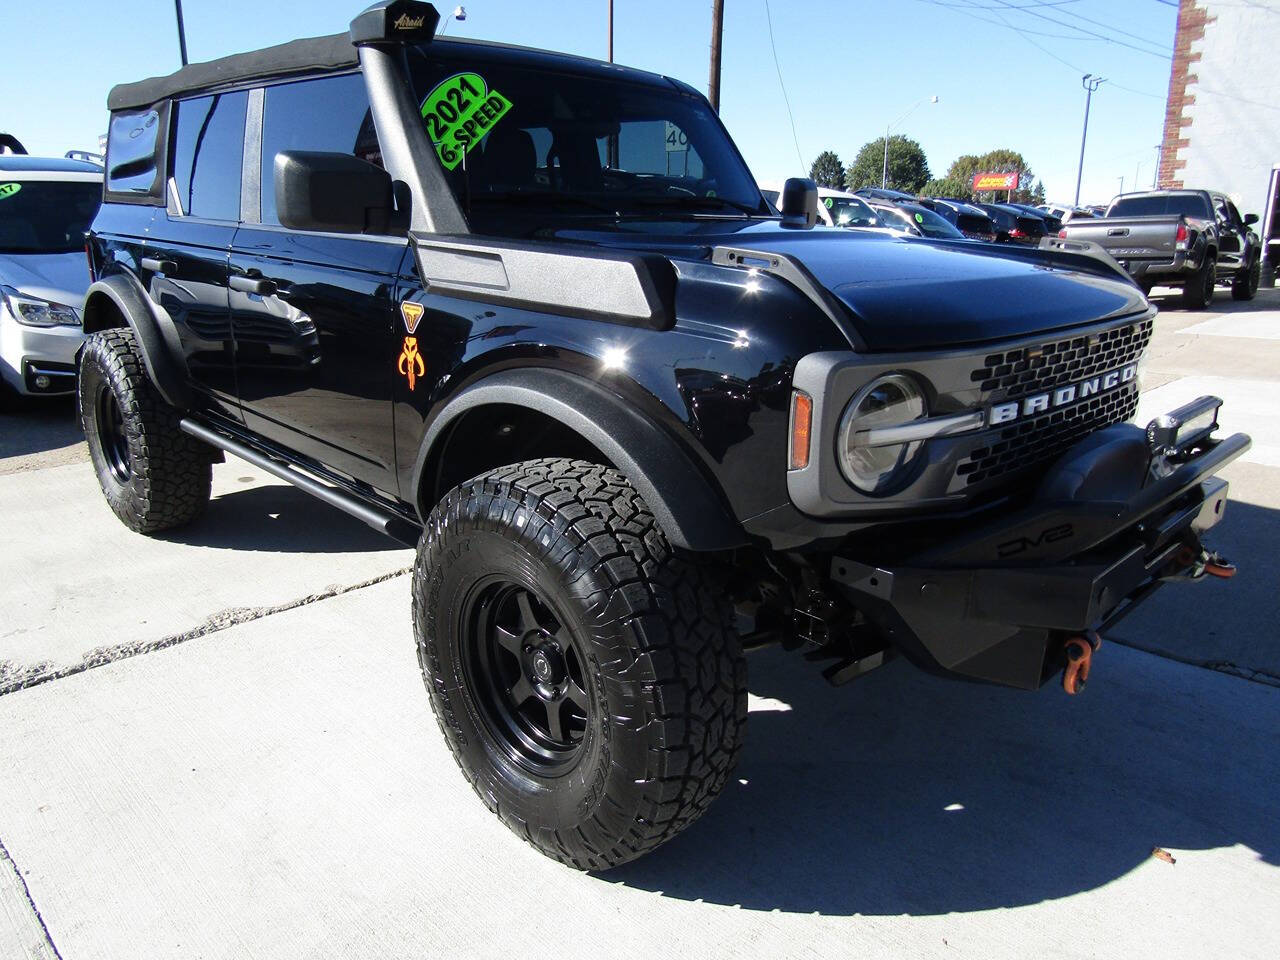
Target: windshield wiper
(697, 203)
(552, 199)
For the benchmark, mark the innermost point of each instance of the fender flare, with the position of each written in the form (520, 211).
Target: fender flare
(155, 332)
(682, 497)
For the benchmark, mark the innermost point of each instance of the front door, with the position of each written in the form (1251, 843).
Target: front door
(314, 314)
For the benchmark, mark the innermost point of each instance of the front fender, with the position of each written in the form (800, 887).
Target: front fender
(683, 498)
(155, 332)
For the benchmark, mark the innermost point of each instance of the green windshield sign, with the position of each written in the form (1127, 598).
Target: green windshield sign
(458, 113)
(7, 190)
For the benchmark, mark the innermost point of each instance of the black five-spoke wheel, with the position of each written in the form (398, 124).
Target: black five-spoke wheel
(111, 434)
(527, 672)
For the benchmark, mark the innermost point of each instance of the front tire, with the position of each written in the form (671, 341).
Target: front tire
(1245, 284)
(154, 476)
(586, 677)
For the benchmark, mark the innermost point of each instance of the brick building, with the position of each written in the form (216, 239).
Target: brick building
(1222, 118)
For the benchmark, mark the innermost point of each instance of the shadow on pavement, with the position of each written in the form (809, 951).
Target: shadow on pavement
(39, 425)
(1170, 299)
(909, 794)
(281, 519)
(1230, 624)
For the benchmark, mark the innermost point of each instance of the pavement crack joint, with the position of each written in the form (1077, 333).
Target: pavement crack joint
(6, 860)
(14, 678)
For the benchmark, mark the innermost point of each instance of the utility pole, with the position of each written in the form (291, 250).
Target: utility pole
(182, 33)
(717, 32)
(1155, 175)
(1090, 84)
(611, 31)
(1121, 179)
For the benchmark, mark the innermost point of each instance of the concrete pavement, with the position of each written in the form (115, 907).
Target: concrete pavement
(267, 781)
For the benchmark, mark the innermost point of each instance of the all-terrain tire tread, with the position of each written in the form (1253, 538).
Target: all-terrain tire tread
(674, 607)
(173, 470)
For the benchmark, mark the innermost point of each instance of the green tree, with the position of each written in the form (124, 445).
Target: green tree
(948, 187)
(827, 170)
(1037, 194)
(908, 166)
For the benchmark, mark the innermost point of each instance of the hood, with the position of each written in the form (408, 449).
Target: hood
(60, 277)
(904, 293)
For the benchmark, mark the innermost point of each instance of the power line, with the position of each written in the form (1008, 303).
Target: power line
(1072, 26)
(1025, 34)
(768, 16)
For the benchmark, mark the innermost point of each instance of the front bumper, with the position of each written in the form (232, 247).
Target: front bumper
(28, 354)
(995, 603)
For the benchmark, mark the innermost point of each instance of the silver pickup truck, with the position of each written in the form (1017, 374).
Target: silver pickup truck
(1193, 239)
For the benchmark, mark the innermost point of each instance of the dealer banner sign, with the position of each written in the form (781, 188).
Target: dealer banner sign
(984, 182)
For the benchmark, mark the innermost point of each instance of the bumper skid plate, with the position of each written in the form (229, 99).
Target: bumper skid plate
(996, 603)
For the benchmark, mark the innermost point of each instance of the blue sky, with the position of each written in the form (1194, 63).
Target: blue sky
(849, 68)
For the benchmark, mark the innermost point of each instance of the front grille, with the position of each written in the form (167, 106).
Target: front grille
(1031, 442)
(1036, 369)
(1033, 370)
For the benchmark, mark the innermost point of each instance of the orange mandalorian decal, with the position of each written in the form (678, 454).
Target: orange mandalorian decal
(410, 363)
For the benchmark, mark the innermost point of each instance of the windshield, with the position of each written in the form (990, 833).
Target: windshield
(566, 145)
(850, 212)
(1172, 204)
(46, 216)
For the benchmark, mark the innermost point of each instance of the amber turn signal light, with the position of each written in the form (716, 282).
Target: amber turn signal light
(801, 426)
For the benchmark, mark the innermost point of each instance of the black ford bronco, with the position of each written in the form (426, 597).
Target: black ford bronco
(532, 313)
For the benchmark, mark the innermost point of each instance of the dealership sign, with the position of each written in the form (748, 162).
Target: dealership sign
(983, 182)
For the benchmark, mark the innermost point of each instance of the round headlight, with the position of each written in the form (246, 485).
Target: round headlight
(871, 466)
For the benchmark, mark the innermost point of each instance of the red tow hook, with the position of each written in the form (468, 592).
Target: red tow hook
(1219, 566)
(1079, 651)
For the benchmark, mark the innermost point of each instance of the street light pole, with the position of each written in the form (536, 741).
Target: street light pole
(1090, 84)
(884, 172)
(611, 31)
(1155, 174)
(182, 33)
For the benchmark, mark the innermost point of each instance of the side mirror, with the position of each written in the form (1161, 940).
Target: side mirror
(799, 203)
(334, 192)
(1250, 219)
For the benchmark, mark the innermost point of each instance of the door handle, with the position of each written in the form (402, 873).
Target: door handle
(259, 285)
(158, 266)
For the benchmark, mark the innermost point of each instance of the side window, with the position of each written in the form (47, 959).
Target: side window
(132, 154)
(1236, 219)
(329, 114)
(208, 145)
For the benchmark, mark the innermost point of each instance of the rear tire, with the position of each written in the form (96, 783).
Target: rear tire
(1245, 284)
(154, 476)
(586, 677)
(1197, 292)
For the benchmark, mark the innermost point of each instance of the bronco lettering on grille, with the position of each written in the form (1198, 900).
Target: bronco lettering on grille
(1061, 396)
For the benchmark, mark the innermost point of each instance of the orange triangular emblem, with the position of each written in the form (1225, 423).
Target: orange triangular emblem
(412, 313)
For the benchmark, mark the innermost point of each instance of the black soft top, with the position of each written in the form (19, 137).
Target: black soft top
(335, 52)
(297, 56)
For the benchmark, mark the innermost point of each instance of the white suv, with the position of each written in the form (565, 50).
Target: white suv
(46, 205)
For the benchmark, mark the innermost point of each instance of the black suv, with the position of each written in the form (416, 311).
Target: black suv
(530, 312)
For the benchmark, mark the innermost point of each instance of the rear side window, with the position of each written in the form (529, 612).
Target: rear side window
(135, 158)
(208, 145)
(329, 114)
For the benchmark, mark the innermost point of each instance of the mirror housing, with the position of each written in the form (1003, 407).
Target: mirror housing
(799, 203)
(1250, 219)
(336, 193)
